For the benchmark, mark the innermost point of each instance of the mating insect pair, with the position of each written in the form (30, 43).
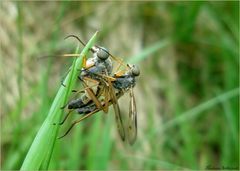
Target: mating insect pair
(103, 87)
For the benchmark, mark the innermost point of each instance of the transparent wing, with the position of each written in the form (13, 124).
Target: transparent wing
(132, 122)
(117, 111)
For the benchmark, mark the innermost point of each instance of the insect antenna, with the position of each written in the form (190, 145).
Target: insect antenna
(71, 35)
(76, 37)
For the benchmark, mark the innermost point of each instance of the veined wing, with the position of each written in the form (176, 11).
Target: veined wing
(117, 111)
(132, 122)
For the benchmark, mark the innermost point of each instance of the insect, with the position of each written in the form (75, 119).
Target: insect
(99, 64)
(109, 89)
(121, 85)
(115, 89)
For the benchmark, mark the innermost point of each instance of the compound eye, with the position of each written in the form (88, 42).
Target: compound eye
(102, 53)
(135, 70)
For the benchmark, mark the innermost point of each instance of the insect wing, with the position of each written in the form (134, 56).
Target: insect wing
(132, 122)
(117, 111)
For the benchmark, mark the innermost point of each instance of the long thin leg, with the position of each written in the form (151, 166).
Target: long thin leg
(82, 90)
(62, 80)
(107, 98)
(85, 117)
(92, 96)
(77, 92)
(88, 79)
(64, 119)
(106, 93)
(119, 73)
(103, 76)
(77, 121)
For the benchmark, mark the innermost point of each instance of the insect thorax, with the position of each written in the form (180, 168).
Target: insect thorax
(124, 83)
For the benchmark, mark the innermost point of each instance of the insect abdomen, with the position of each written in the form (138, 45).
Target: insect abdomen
(76, 104)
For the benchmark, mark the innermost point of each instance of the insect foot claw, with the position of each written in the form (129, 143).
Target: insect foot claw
(62, 107)
(60, 123)
(80, 78)
(63, 84)
(60, 137)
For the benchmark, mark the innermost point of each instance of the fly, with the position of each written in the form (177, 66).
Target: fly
(113, 91)
(108, 89)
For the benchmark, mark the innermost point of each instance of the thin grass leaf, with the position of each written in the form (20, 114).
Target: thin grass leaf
(200, 108)
(194, 112)
(99, 154)
(93, 138)
(149, 50)
(46, 136)
(106, 144)
(228, 112)
(156, 162)
(45, 78)
(77, 146)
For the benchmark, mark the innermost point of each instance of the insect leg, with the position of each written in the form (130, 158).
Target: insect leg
(88, 79)
(62, 80)
(77, 121)
(107, 98)
(77, 92)
(63, 83)
(84, 62)
(64, 119)
(93, 97)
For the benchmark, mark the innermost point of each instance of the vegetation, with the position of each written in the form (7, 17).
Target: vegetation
(187, 94)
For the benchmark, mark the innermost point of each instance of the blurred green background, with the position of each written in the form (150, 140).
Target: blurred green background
(187, 93)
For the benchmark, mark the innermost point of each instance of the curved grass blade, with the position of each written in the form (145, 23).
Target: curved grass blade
(149, 50)
(204, 106)
(44, 141)
(194, 112)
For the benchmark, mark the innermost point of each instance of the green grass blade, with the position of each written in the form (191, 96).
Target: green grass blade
(200, 108)
(155, 162)
(186, 116)
(47, 134)
(149, 50)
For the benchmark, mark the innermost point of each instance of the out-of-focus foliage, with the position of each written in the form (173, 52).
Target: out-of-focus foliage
(187, 93)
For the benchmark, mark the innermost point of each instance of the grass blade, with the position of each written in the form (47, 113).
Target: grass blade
(47, 134)
(149, 50)
(194, 112)
(186, 116)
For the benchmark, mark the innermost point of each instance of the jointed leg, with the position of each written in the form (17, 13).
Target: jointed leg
(88, 79)
(64, 119)
(92, 96)
(62, 80)
(77, 92)
(77, 121)
(118, 60)
(106, 100)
